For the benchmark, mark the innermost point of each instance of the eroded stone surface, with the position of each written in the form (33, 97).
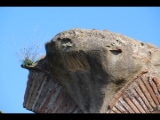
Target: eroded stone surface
(91, 67)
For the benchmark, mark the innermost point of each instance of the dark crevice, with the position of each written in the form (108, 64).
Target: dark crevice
(142, 44)
(116, 52)
(66, 40)
(108, 46)
(119, 82)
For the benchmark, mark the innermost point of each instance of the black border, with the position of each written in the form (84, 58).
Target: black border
(79, 116)
(80, 3)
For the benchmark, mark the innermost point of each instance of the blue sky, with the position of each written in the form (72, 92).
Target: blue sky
(29, 26)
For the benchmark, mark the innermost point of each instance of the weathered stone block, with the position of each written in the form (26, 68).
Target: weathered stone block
(95, 68)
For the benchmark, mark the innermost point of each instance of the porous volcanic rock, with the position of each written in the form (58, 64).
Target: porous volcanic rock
(90, 68)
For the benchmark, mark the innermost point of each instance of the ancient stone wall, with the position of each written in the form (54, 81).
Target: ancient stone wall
(88, 69)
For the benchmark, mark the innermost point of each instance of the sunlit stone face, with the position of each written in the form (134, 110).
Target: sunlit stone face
(93, 65)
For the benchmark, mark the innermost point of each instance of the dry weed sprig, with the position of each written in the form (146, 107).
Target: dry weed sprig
(32, 47)
(28, 55)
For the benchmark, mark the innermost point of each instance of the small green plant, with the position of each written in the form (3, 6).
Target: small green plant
(28, 55)
(26, 48)
(27, 62)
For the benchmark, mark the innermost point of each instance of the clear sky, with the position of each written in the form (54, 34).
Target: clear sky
(20, 26)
